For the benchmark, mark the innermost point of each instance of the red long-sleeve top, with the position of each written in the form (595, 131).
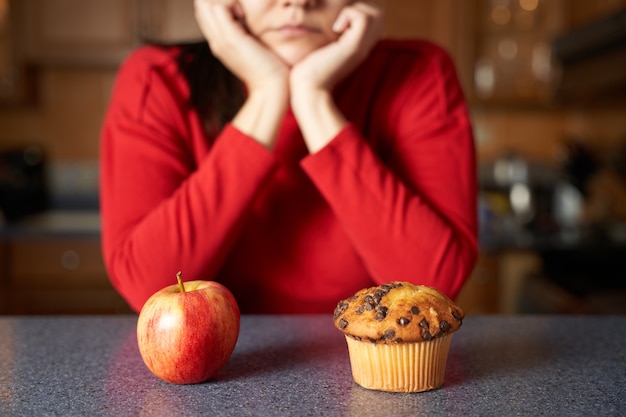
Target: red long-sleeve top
(391, 197)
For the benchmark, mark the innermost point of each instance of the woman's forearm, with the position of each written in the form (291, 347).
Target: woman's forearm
(318, 117)
(262, 113)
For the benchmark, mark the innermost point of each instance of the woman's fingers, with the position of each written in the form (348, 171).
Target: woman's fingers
(359, 24)
(221, 23)
(218, 20)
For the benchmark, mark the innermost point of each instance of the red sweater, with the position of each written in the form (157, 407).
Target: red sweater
(391, 197)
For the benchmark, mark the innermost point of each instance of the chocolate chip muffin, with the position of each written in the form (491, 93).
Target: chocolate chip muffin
(398, 335)
(398, 312)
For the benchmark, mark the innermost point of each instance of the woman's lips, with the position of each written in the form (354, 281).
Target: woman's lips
(294, 31)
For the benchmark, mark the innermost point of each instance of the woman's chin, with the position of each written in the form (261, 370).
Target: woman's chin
(292, 55)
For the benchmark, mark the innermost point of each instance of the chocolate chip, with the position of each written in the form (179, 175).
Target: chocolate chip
(389, 334)
(381, 313)
(399, 340)
(456, 315)
(444, 326)
(371, 339)
(340, 309)
(381, 292)
(343, 323)
(369, 300)
(426, 335)
(360, 309)
(415, 310)
(403, 321)
(424, 324)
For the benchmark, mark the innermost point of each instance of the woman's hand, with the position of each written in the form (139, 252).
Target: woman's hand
(312, 79)
(358, 26)
(265, 75)
(221, 23)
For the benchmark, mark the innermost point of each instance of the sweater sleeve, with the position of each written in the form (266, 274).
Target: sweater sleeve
(162, 210)
(411, 215)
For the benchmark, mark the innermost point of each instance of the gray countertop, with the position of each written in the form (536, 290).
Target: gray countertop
(299, 366)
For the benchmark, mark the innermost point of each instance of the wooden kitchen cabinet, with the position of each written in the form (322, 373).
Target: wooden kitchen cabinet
(95, 32)
(480, 294)
(59, 275)
(74, 32)
(512, 62)
(168, 21)
(582, 12)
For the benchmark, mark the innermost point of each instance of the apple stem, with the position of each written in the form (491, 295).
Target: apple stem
(179, 278)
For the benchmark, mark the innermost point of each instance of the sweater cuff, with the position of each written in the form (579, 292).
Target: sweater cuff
(339, 145)
(239, 140)
(236, 153)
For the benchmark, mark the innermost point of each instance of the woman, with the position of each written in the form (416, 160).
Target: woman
(297, 160)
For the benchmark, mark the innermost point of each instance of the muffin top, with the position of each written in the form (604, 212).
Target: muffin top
(398, 312)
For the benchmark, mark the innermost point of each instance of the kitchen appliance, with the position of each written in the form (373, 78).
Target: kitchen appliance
(23, 189)
(592, 59)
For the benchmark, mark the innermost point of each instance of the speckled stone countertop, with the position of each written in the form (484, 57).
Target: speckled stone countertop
(299, 366)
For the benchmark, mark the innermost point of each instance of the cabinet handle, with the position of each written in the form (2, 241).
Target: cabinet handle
(70, 260)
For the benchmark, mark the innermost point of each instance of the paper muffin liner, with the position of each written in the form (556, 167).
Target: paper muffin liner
(399, 367)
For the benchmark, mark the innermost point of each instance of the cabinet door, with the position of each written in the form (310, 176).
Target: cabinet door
(74, 32)
(61, 276)
(168, 21)
(513, 61)
(581, 12)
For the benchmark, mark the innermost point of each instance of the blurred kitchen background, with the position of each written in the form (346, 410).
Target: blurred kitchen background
(545, 79)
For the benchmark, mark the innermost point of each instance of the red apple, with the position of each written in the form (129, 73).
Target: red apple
(186, 332)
